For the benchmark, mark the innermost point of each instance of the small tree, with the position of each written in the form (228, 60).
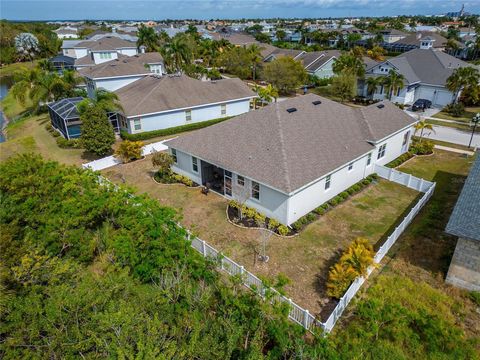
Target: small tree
(26, 45)
(344, 86)
(163, 161)
(97, 132)
(285, 74)
(129, 150)
(359, 256)
(242, 194)
(340, 277)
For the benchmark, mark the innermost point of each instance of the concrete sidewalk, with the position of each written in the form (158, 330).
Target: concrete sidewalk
(455, 150)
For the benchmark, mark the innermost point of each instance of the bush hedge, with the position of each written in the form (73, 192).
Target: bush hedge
(400, 160)
(170, 131)
(422, 147)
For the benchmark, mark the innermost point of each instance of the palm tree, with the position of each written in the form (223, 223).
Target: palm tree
(147, 37)
(45, 65)
(255, 58)
(47, 87)
(349, 64)
(393, 82)
(423, 125)
(176, 53)
(71, 81)
(24, 81)
(462, 77)
(106, 100)
(372, 84)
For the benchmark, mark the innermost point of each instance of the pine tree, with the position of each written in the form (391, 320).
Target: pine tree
(97, 132)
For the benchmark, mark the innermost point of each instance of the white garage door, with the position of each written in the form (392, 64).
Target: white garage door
(424, 93)
(443, 98)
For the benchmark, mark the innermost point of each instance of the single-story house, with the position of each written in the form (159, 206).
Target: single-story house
(316, 63)
(62, 62)
(425, 71)
(159, 102)
(115, 74)
(65, 118)
(66, 32)
(464, 270)
(292, 156)
(392, 35)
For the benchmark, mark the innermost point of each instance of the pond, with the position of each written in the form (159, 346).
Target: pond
(5, 84)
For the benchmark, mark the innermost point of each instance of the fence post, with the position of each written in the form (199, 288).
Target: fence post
(204, 249)
(390, 174)
(242, 270)
(306, 315)
(421, 185)
(409, 182)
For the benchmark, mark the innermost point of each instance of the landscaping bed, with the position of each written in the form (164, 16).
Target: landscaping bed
(172, 178)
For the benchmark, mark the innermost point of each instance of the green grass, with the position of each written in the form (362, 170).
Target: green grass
(9, 70)
(12, 108)
(470, 112)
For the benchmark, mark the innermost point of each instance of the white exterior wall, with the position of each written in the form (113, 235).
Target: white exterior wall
(113, 84)
(438, 95)
(98, 60)
(156, 68)
(183, 166)
(128, 51)
(326, 71)
(70, 52)
(80, 52)
(394, 147)
(177, 117)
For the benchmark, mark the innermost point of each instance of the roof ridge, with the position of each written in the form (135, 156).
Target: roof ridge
(365, 121)
(282, 147)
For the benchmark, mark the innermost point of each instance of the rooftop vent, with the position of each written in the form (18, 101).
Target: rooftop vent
(291, 110)
(316, 102)
(380, 106)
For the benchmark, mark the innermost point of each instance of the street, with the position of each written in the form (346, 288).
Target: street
(452, 135)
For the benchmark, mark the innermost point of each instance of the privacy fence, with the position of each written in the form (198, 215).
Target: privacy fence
(296, 313)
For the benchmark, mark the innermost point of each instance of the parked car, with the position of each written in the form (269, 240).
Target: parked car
(421, 104)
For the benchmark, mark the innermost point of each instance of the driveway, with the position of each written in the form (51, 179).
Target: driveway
(427, 113)
(452, 135)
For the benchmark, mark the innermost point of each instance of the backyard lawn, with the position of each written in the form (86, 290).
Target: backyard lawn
(304, 259)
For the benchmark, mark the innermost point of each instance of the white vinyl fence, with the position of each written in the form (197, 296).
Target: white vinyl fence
(410, 181)
(298, 314)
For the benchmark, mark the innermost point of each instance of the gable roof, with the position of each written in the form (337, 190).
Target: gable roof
(465, 219)
(428, 66)
(414, 39)
(287, 151)
(153, 93)
(106, 43)
(123, 66)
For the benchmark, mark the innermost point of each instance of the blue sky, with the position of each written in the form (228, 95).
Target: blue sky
(163, 9)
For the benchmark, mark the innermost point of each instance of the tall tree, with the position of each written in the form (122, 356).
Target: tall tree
(285, 74)
(97, 135)
(26, 45)
(372, 84)
(103, 99)
(147, 37)
(344, 86)
(393, 82)
(349, 64)
(177, 53)
(462, 77)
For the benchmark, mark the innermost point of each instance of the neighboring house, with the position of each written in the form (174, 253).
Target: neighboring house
(62, 62)
(392, 35)
(423, 40)
(97, 35)
(292, 156)
(115, 74)
(90, 52)
(159, 102)
(237, 39)
(464, 270)
(425, 71)
(316, 63)
(66, 33)
(65, 118)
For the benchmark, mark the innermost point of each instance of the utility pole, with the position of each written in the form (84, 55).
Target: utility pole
(475, 120)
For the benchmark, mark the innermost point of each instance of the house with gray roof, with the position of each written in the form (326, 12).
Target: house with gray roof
(292, 156)
(115, 74)
(425, 72)
(157, 102)
(464, 270)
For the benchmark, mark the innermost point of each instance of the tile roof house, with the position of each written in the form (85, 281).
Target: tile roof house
(293, 155)
(158, 102)
(425, 72)
(115, 74)
(464, 270)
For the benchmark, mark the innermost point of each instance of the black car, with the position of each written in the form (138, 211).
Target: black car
(421, 104)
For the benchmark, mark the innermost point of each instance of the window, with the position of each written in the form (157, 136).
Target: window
(350, 166)
(328, 180)
(240, 180)
(188, 115)
(223, 109)
(137, 124)
(228, 183)
(369, 159)
(405, 138)
(381, 151)
(255, 190)
(174, 155)
(194, 164)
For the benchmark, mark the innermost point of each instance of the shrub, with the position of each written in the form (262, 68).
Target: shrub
(97, 131)
(248, 212)
(297, 225)
(333, 202)
(183, 179)
(282, 230)
(259, 218)
(170, 131)
(234, 204)
(366, 181)
(356, 188)
(456, 110)
(273, 224)
(351, 190)
(65, 144)
(344, 194)
(339, 279)
(422, 147)
(129, 150)
(320, 210)
(310, 217)
(163, 161)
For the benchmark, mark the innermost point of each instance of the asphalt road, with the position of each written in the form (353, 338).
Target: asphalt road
(452, 135)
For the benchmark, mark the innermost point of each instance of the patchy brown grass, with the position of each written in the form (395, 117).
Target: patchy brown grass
(306, 258)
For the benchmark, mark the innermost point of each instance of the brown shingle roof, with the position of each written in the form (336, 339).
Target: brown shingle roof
(414, 39)
(289, 150)
(123, 66)
(153, 93)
